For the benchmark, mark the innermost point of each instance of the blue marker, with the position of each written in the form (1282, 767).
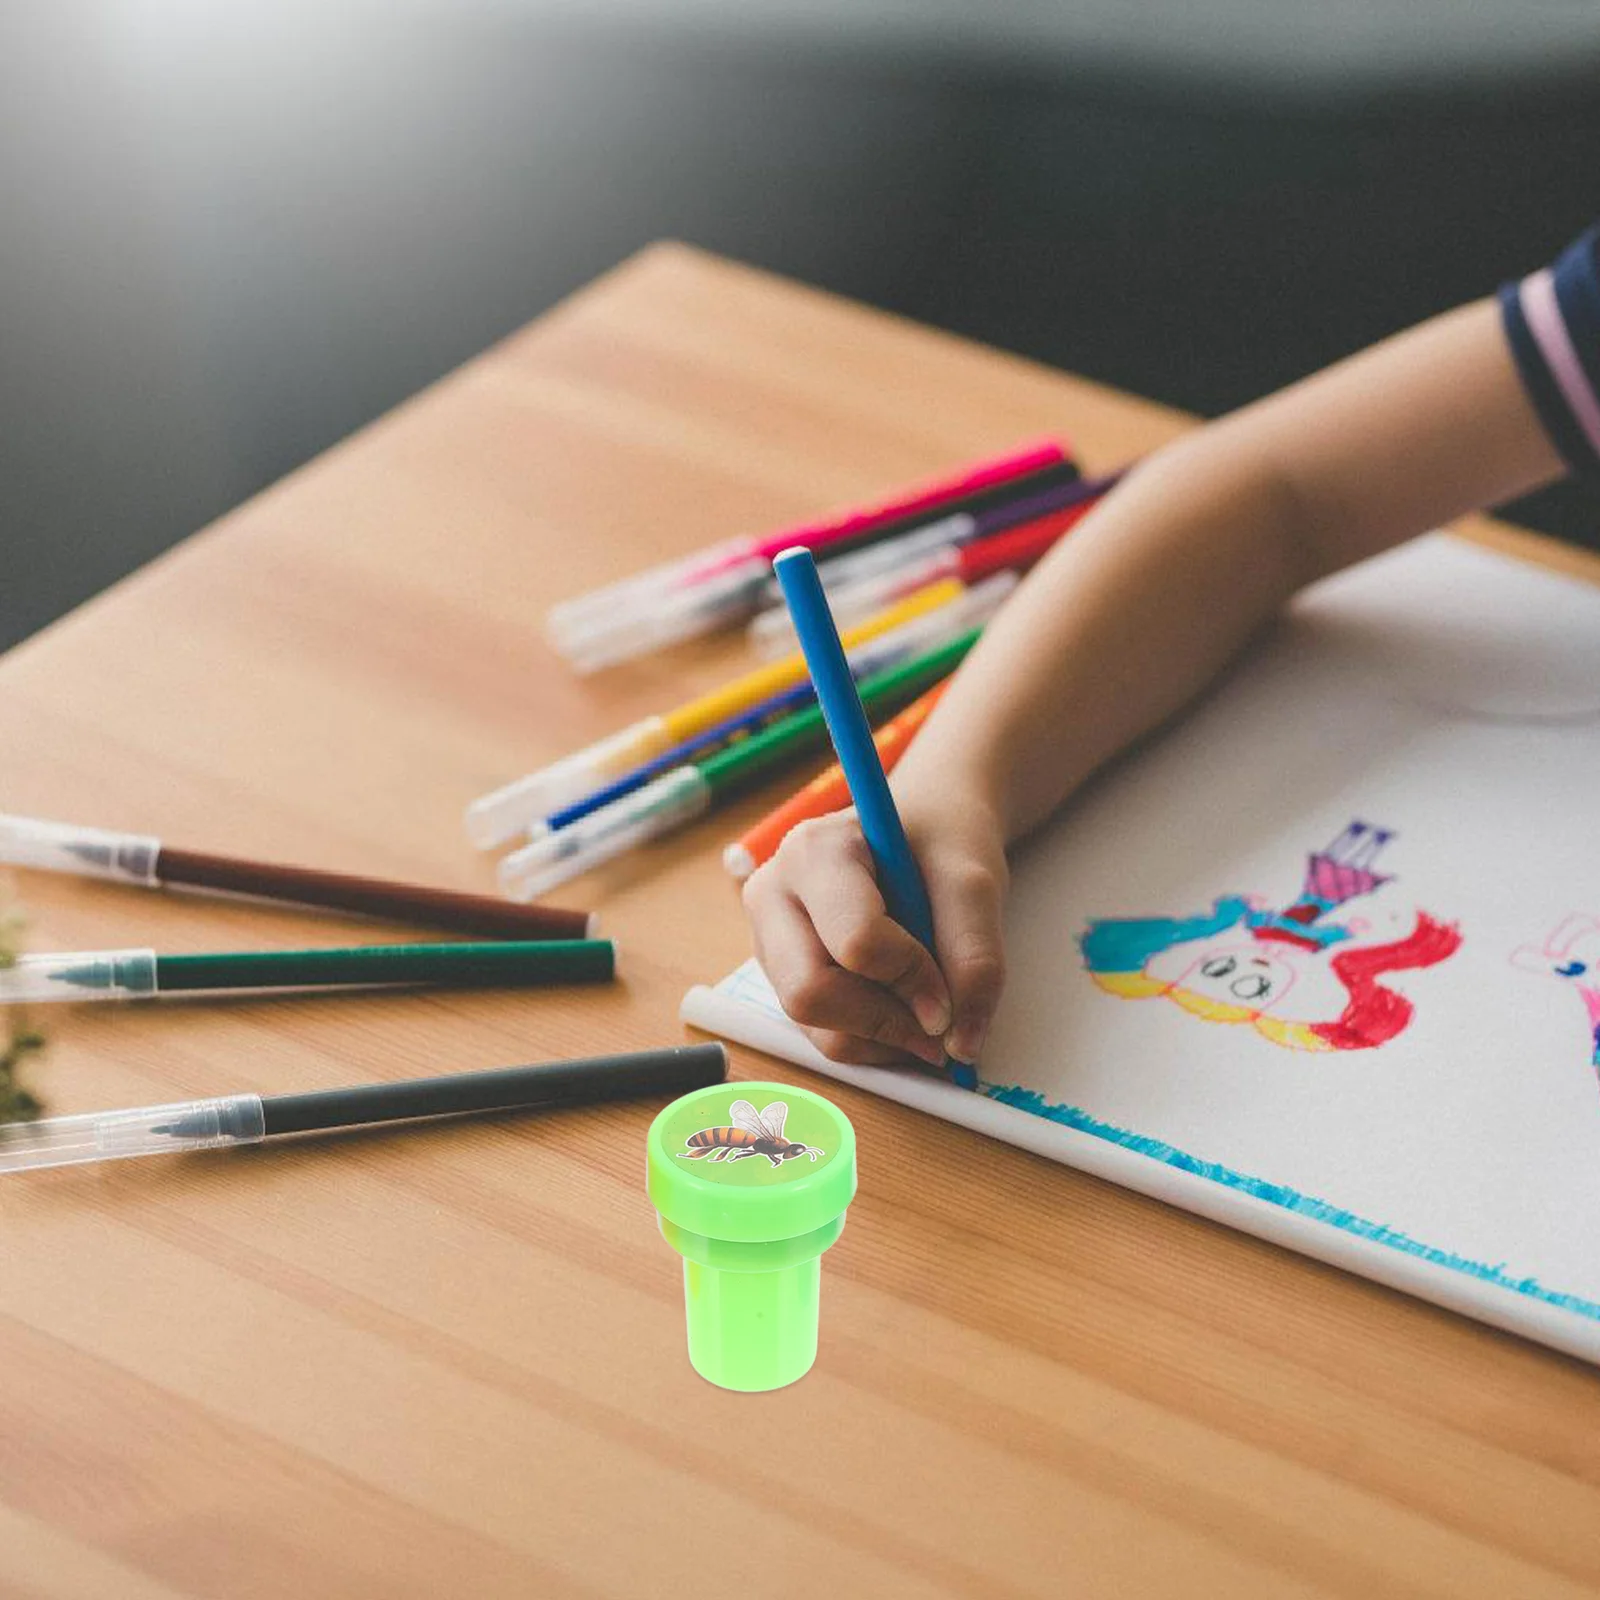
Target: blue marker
(904, 893)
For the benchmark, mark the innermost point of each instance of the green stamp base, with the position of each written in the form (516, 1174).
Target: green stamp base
(753, 1330)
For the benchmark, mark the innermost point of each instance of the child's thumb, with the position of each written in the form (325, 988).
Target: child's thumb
(966, 900)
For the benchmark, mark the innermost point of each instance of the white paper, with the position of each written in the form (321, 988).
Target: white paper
(1450, 1145)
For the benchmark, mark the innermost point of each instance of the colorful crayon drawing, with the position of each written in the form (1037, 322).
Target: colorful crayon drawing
(1299, 975)
(1571, 952)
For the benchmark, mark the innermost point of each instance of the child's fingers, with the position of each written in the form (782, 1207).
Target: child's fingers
(830, 1000)
(831, 1004)
(966, 901)
(855, 1052)
(847, 911)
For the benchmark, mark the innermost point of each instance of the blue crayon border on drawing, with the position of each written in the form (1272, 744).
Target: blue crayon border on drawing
(1278, 1194)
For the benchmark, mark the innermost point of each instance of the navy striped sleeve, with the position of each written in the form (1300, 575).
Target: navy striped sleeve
(1552, 320)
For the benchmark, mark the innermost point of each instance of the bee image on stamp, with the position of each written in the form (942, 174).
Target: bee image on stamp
(753, 1133)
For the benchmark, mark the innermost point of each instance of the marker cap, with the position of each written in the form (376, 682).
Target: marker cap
(637, 625)
(144, 1131)
(750, 1196)
(494, 818)
(79, 975)
(89, 852)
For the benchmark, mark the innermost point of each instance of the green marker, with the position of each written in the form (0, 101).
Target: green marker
(752, 1181)
(142, 974)
(688, 791)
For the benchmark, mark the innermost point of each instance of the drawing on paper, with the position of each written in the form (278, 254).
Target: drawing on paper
(1305, 975)
(1571, 952)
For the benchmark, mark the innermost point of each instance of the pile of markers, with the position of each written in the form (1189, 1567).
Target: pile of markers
(911, 583)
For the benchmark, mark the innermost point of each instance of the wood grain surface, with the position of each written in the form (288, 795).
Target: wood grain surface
(450, 1362)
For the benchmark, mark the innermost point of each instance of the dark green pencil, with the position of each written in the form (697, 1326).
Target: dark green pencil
(142, 974)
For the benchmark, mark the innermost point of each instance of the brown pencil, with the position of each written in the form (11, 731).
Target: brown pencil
(143, 860)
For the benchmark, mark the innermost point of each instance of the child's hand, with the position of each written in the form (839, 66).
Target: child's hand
(859, 985)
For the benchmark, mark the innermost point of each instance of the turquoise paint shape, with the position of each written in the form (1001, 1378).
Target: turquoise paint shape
(1124, 944)
(1287, 1199)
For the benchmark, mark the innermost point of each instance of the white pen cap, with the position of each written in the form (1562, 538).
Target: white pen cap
(646, 814)
(79, 975)
(88, 852)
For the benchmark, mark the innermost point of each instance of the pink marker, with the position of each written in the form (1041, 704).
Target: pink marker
(816, 536)
(724, 584)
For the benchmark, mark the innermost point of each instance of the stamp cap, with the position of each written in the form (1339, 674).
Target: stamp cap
(712, 1176)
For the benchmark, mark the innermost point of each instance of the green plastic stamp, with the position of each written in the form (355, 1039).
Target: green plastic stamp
(752, 1181)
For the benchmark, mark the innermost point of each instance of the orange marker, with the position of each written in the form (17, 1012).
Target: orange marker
(827, 792)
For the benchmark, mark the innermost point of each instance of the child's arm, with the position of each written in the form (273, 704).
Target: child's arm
(1128, 618)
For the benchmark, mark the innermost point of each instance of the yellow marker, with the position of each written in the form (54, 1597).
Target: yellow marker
(754, 687)
(500, 816)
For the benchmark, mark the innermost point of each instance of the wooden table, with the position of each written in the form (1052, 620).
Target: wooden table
(449, 1362)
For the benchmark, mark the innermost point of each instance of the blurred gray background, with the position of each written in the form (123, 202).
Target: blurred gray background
(232, 232)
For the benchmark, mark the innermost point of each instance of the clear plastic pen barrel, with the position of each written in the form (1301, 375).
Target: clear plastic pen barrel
(627, 631)
(88, 852)
(502, 815)
(149, 1130)
(571, 619)
(646, 814)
